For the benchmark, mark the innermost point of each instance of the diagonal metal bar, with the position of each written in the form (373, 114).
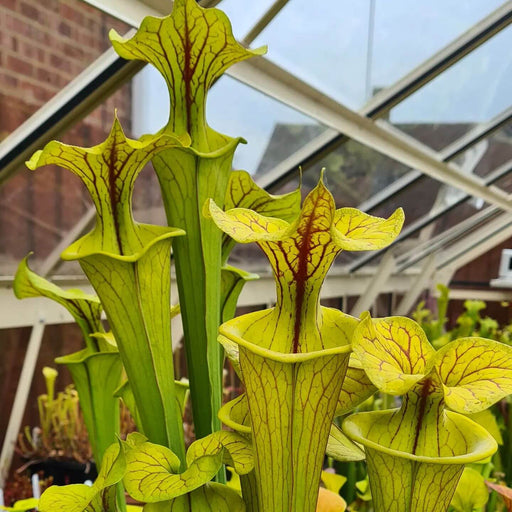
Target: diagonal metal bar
(442, 60)
(262, 23)
(280, 174)
(453, 150)
(382, 102)
(419, 285)
(20, 399)
(54, 117)
(366, 299)
(98, 81)
(53, 259)
(103, 77)
(413, 256)
(477, 243)
(274, 81)
(413, 228)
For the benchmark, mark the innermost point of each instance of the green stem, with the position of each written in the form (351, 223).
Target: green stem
(187, 179)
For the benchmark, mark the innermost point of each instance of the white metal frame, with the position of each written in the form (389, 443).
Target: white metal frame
(375, 287)
(20, 399)
(420, 223)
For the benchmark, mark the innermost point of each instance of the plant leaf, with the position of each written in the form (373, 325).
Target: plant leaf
(300, 255)
(100, 497)
(72, 498)
(341, 448)
(332, 481)
(398, 484)
(125, 393)
(191, 48)
(108, 170)
(210, 497)
(329, 501)
(487, 419)
(284, 428)
(475, 373)
(244, 193)
(96, 376)
(394, 352)
(22, 505)
(232, 281)
(246, 226)
(236, 450)
(119, 257)
(235, 415)
(152, 469)
(471, 493)
(358, 231)
(85, 309)
(504, 492)
(357, 387)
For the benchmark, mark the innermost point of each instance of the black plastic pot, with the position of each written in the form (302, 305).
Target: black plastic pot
(64, 471)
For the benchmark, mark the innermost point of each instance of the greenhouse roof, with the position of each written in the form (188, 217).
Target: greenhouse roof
(434, 138)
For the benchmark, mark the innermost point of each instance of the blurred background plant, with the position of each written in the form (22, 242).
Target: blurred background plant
(61, 432)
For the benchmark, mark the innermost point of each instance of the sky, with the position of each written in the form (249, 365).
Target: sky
(326, 44)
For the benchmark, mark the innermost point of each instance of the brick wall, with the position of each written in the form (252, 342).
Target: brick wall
(44, 45)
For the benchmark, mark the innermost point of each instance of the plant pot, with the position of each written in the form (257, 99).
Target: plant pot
(64, 471)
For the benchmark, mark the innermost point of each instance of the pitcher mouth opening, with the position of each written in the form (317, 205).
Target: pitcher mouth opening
(232, 331)
(480, 444)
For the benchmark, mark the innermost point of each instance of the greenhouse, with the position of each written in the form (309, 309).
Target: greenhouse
(256, 257)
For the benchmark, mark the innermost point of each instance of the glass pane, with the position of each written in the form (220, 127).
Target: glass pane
(417, 201)
(472, 91)
(505, 183)
(489, 154)
(354, 173)
(273, 131)
(323, 43)
(244, 15)
(335, 46)
(429, 27)
(449, 229)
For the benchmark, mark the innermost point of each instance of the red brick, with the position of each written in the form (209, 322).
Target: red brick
(20, 65)
(50, 77)
(64, 29)
(71, 14)
(42, 94)
(17, 25)
(9, 4)
(30, 11)
(8, 80)
(72, 51)
(60, 62)
(32, 51)
(8, 41)
(51, 5)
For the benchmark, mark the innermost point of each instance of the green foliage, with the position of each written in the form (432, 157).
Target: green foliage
(62, 429)
(298, 348)
(471, 493)
(100, 497)
(469, 323)
(422, 445)
(294, 359)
